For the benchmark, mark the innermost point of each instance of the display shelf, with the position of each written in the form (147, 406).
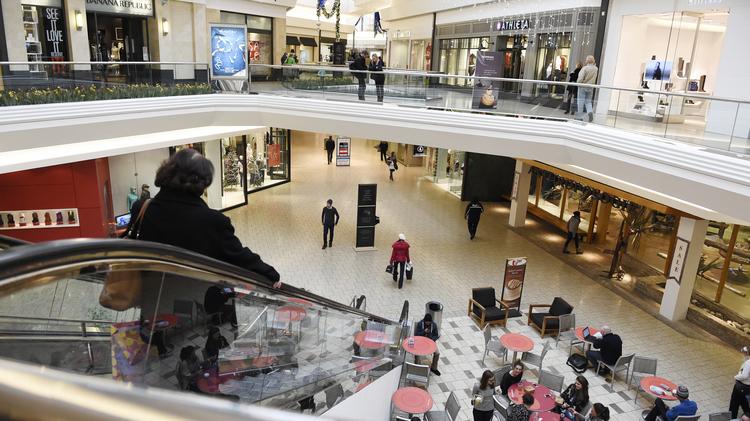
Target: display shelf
(31, 37)
(39, 218)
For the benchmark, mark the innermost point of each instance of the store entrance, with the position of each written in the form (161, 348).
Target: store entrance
(116, 39)
(553, 59)
(514, 59)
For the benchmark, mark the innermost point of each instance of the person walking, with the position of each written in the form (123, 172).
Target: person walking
(572, 90)
(741, 386)
(473, 213)
(399, 257)
(383, 149)
(392, 163)
(484, 391)
(376, 66)
(329, 218)
(330, 145)
(573, 224)
(587, 75)
(360, 73)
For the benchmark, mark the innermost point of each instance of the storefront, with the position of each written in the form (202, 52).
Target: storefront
(45, 34)
(259, 40)
(119, 33)
(268, 158)
(406, 53)
(445, 167)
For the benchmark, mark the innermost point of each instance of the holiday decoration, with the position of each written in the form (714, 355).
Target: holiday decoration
(231, 169)
(335, 10)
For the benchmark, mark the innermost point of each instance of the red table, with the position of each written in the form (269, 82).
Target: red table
(647, 382)
(366, 365)
(422, 346)
(163, 321)
(544, 397)
(209, 381)
(517, 342)
(412, 400)
(586, 342)
(370, 339)
(290, 313)
(544, 416)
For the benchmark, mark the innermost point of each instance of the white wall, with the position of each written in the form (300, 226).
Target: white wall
(132, 170)
(419, 26)
(14, 32)
(406, 8)
(512, 7)
(373, 403)
(277, 10)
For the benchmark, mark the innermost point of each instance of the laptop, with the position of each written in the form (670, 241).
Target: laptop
(586, 332)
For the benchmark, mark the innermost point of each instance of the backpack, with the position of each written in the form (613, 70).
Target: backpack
(578, 363)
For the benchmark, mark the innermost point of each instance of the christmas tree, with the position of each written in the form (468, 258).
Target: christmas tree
(231, 169)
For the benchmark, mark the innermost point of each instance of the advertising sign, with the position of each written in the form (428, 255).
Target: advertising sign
(678, 259)
(366, 218)
(228, 51)
(121, 7)
(274, 155)
(515, 273)
(486, 92)
(343, 151)
(419, 150)
(53, 20)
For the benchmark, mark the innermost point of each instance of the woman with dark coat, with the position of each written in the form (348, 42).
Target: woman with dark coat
(572, 90)
(376, 66)
(178, 216)
(576, 396)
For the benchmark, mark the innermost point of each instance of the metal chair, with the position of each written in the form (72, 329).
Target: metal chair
(536, 359)
(501, 405)
(551, 380)
(334, 394)
(622, 363)
(642, 367)
(417, 373)
(184, 309)
(493, 345)
(500, 372)
(567, 330)
(400, 418)
(720, 416)
(452, 407)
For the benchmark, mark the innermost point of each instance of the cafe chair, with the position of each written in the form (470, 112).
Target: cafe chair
(587, 408)
(334, 395)
(450, 413)
(483, 307)
(720, 416)
(622, 364)
(686, 418)
(417, 373)
(500, 372)
(536, 359)
(400, 418)
(493, 345)
(548, 322)
(566, 330)
(642, 367)
(501, 406)
(552, 380)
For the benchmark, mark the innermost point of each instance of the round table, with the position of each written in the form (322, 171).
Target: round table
(363, 366)
(370, 339)
(422, 346)
(586, 342)
(163, 321)
(412, 400)
(290, 313)
(209, 381)
(544, 416)
(544, 397)
(517, 342)
(647, 382)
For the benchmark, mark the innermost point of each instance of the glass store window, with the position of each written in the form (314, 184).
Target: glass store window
(553, 61)
(45, 34)
(233, 168)
(268, 158)
(458, 57)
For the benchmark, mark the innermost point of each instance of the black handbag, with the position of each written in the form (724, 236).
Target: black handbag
(578, 363)
(410, 272)
(389, 269)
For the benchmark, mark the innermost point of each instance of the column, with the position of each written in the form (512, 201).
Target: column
(602, 222)
(676, 299)
(279, 39)
(212, 149)
(14, 32)
(519, 203)
(78, 39)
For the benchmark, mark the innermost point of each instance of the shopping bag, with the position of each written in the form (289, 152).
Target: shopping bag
(409, 270)
(389, 269)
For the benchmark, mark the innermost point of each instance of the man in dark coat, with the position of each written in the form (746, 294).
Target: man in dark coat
(361, 74)
(330, 146)
(427, 328)
(329, 218)
(383, 148)
(376, 66)
(610, 349)
(473, 213)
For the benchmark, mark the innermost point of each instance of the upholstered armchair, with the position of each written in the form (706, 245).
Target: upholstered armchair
(485, 309)
(548, 322)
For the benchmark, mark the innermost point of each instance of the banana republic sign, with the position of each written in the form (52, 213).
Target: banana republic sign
(122, 7)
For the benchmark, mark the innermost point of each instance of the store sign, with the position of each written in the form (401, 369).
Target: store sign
(228, 51)
(678, 259)
(54, 32)
(514, 192)
(515, 274)
(122, 7)
(512, 25)
(419, 150)
(343, 154)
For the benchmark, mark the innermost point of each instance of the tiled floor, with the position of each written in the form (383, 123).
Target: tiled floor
(282, 224)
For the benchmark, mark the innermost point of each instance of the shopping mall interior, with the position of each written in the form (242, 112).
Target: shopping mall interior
(374, 210)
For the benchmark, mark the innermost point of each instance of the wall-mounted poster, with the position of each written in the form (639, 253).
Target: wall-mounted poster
(343, 154)
(515, 274)
(658, 70)
(486, 91)
(228, 51)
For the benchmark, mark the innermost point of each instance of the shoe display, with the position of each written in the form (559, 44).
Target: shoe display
(71, 217)
(47, 219)
(58, 218)
(11, 220)
(35, 218)
(22, 220)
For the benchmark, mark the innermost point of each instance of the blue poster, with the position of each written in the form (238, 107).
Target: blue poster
(228, 51)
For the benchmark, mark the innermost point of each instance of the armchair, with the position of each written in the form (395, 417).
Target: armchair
(548, 322)
(483, 308)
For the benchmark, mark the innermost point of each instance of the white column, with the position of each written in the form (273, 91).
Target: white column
(676, 299)
(212, 149)
(78, 39)
(14, 32)
(519, 203)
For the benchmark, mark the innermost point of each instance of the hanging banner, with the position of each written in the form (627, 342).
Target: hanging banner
(343, 151)
(274, 155)
(53, 21)
(515, 273)
(678, 259)
(486, 91)
(228, 51)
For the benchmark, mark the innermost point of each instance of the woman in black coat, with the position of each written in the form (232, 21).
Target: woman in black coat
(572, 90)
(376, 66)
(178, 216)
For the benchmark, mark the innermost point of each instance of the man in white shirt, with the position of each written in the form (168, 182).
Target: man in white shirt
(741, 386)
(573, 224)
(587, 75)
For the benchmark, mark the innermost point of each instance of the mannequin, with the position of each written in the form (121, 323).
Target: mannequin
(132, 197)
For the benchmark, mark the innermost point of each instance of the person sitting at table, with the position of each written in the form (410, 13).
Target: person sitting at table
(215, 303)
(215, 342)
(484, 406)
(511, 377)
(576, 396)
(188, 369)
(609, 349)
(428, 329)
(156, 338)
(521, 412)
(685, 407)
(599, 412)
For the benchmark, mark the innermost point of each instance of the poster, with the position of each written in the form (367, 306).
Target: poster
(515, 273)
(486, 92)
(274, 155)
(228, 51)
(343, 151)
(678, 259)
(253, 50)
(658, 70)
(53, 20)
(419, 150)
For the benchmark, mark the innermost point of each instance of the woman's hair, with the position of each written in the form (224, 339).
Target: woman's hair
(186, 171)
(583, 394)
(486, 376)
(601, 411)
(186, 352)
(528, 399)
(518, 363)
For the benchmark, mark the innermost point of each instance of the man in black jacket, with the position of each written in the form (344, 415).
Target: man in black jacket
(610, 349)
(361, 74)
(329, 218)
(330, 146)
(376, 67)
(383, 148)
(473, 213)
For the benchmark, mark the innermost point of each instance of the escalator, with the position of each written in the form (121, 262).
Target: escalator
(166, 318)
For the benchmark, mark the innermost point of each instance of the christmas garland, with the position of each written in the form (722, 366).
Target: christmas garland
(335, 11)
(595, 194)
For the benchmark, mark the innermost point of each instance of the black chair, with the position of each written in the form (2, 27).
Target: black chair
(549, 322)
(484, 309)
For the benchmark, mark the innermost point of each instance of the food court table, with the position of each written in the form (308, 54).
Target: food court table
(544, 397)
(209, 380)
(660, 383)
(579, 334)
(544, 416)
(371, 339)
(412, 400)
(517, 342)
(422, 346)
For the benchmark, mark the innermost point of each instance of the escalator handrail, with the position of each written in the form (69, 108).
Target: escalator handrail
(11, 241)
(25, 260)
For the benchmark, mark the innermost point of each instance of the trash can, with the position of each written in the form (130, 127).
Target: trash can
(435, 309)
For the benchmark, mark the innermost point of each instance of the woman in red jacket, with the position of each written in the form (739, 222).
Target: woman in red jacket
(399, 257)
